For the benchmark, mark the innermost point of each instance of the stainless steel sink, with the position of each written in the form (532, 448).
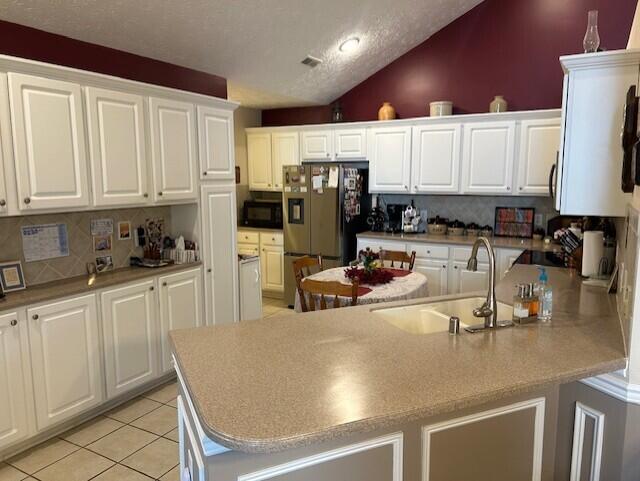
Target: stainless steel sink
(434, 317)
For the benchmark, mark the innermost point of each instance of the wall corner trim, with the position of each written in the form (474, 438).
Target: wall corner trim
(616, 386)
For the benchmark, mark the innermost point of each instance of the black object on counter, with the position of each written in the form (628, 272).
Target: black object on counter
(540, 258)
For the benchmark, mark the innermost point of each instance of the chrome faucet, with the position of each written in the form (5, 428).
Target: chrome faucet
(488, 310)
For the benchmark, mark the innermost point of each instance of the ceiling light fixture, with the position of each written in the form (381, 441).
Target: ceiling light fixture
(349, 45)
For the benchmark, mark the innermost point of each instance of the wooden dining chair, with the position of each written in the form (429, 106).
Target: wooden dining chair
(303, 267)
(398, 256)
(326, 289)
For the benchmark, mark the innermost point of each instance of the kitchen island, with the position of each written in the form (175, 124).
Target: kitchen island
(346, 395)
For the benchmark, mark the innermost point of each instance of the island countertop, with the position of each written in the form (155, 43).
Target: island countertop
(293, 380)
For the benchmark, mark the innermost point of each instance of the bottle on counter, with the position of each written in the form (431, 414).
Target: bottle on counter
(521, 305)
(545, 296)
(532, 295)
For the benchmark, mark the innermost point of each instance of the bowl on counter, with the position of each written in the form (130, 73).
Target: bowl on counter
(486, 231)
(437, 225)
(473, 229)
(456, 228)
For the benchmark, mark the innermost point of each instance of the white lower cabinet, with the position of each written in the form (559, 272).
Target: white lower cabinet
(129, 324)
(180, 298)
(65, 357)
(437, 274)
(504, 261)
(14, 377)
(462, 280)
(271, 265)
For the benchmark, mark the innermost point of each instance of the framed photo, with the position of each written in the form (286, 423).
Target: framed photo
(104, 263)
(11, 276)
(124, 230)
(101, 243)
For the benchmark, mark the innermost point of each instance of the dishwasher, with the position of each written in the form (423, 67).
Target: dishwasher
(250, 287)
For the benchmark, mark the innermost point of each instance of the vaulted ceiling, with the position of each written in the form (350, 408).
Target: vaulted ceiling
(256, 44)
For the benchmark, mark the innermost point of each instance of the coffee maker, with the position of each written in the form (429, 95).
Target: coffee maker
(395, 214)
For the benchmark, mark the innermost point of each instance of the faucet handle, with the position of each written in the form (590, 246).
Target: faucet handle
(483, 311)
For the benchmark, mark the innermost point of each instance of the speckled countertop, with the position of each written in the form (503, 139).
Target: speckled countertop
(79, 285)
(504, 242)
(293, 380)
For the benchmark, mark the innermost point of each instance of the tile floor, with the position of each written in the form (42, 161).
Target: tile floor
(272, 307)
(136, 441)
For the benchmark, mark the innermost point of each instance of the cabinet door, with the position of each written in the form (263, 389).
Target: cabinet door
(463, 280)
(317, 145)
(272, 260)
(180, 308)
(130, 332)
(389, 150)
(248, 249)
(259, 159)
(14, 369)
(488, 157)
(437, 275)
(48, 142)
(286, 151)
(539, 145)
(436, 158)
(117, 146)
(65, 357)
(219, 253)
(173, 150)
(350, 144)
(215, 135)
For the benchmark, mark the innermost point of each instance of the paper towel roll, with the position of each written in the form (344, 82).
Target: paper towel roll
(592, 252)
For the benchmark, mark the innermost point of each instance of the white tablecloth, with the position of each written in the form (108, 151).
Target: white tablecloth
(412, 286)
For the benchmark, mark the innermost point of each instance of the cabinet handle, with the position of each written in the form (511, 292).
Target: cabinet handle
(209, 270)
(520, 188)
(3, 202)
(151, 288)
(508, 188)
(14, 322)
(35, 317)
(164, 284)
(328, 154)
(145, 195)
(455, 267)
(27, 200)
(268, 185)
(428, 252)
(553, 170)
(444, 267)
(204, 173)
(415, 187)
(160, 193)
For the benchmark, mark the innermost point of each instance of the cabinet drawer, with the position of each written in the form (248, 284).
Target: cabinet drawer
(429, 251)
(271, 238)
(248, 237)
(248, 249)
(463, 254)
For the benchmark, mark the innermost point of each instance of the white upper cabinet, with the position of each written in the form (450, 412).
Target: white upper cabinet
(539, 146)
(488, 157)
(173, 150)
(285, 151)
(180, 308)
(590, 163)
(14, 369)
(48, 142)
(117, 145)
(350, 144)
(317, 144)
(436, 158)
(65, 357)
(259, 154)
(129, 326)
(389, 152)
(215, 135)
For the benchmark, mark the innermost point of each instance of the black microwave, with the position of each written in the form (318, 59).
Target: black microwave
(262, 213)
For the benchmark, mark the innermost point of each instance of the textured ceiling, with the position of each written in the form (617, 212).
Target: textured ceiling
(256, 44)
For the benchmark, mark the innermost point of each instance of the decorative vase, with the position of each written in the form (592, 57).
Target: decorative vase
(386, 112)
(499, 104)
(336, 112)
(591, 40)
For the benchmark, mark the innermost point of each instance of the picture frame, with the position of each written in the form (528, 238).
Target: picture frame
(104, 263)
(124, 230)
(102, 243)
(515, 222)
(12, 276)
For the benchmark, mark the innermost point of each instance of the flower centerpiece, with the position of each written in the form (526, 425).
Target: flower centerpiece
(371, 272)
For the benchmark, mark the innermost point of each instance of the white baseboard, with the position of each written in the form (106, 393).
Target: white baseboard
(615, 386)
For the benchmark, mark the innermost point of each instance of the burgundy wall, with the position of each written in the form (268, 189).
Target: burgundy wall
(34, 44)
(501, 47)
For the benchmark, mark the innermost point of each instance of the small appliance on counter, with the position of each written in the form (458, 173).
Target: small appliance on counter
(375, 220)
(411, 220)
(395, 216)
(263, 214)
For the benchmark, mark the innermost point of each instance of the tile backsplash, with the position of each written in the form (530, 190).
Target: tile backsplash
(80, 241)
(473, 208)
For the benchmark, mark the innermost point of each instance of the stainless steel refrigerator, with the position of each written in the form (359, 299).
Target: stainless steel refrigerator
(325, 206)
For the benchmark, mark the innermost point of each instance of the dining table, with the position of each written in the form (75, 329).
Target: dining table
(404, 285)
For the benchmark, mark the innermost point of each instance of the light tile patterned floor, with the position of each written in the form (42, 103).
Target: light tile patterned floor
(135, 442)
(275, 307)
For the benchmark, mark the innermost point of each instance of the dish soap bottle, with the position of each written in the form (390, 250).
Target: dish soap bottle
(545, 297)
